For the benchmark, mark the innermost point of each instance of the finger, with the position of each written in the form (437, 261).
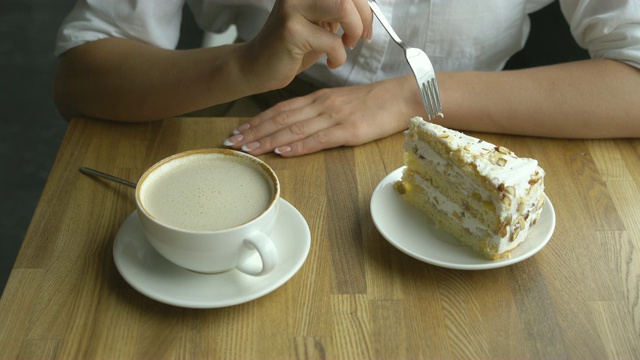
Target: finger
(343, 12)
(352, 25)
(270, 121)
(302, 127)
(320, 140)
(330, 26)
(315, 40)
(292, 121)
(284, 106)
(367, 18)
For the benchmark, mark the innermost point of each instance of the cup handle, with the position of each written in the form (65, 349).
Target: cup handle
(267, 251)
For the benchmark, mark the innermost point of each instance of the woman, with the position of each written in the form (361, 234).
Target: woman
(372, 94)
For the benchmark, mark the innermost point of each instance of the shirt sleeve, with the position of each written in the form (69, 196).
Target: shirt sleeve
(608, 29)
(149, 21)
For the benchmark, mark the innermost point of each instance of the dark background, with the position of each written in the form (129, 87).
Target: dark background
(31, 129)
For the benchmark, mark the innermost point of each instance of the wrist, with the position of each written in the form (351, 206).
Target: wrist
(261, 70)
(231, 76)
(411, 99)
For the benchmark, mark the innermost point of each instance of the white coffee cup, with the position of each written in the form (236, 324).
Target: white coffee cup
(209, 210)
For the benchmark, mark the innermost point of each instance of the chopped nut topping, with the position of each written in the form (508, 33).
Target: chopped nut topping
(503, 230)
(517, 228)
(489, 206)
(507, 201)
(514, 235)
(534, 179)
(510, 190)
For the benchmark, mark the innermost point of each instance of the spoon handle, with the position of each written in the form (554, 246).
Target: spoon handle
(88, 171)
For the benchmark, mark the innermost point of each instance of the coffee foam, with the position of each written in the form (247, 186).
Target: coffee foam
(207, 192)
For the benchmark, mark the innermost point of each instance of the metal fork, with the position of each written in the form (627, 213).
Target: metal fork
(420, 65)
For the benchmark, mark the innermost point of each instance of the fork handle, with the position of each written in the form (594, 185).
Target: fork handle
(385, 24)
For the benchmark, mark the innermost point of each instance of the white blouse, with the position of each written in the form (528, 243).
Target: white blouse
(457, 35)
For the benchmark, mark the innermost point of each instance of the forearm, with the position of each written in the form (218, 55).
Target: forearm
(120, 79)
(123, 79)
(588, 99)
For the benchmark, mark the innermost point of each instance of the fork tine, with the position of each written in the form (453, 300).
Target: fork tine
(433, 105)
(434, 94)
(426, 99)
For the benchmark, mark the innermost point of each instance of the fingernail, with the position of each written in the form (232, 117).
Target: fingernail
(233, 140)
(282, 149)
(250, 146)
(241, 128)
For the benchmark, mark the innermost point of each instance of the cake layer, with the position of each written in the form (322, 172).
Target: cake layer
(466, 229)
(471, 198)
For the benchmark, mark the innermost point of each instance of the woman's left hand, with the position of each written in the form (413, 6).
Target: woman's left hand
(329, 118)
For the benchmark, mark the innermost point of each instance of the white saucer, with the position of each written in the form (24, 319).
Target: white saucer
(151, 274)
(409, 230)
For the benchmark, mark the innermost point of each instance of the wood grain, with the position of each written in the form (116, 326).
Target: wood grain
(356, 296)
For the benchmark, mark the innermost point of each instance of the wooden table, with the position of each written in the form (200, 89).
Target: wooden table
(356, 296)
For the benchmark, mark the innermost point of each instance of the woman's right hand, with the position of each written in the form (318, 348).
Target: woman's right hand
(298, 33)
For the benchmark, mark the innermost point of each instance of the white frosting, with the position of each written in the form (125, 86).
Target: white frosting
(515, 172)
(443, 204)
(508, 174)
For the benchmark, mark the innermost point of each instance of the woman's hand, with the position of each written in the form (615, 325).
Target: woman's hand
(151, 83)
(331, 117)
(297, 34)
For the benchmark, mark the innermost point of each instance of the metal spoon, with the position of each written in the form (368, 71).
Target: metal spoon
(89, 171)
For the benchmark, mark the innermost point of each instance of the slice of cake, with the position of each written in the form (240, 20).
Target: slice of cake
(482, 194)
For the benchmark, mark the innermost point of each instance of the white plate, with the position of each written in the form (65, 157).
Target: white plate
(409, 230)
(151, 274)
